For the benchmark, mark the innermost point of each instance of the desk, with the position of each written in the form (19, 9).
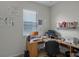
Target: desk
(33, 46)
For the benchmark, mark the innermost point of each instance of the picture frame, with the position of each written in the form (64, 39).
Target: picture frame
(39, 22)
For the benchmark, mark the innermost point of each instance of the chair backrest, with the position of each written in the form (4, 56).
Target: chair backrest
(52, 47)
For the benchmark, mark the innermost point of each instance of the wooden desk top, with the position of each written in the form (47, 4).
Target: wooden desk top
(59, 41)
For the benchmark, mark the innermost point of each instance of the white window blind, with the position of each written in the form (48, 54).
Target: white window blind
(29, 21)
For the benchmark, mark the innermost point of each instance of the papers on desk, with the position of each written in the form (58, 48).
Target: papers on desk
(35, 39)
(32, 40)
(76, 46)
(68, 43)
(43, 37)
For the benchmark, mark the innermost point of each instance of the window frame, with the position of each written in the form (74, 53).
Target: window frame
(26, 34)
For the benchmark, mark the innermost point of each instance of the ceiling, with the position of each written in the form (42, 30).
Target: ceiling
(47, 3)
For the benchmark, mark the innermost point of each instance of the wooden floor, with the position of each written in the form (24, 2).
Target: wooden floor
(43, 54)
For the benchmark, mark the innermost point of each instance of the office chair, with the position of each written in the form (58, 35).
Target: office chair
(52, 48)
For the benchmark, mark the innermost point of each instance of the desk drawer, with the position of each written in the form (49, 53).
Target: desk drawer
(32, 48)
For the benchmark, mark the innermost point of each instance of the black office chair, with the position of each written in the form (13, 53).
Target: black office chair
(52, 48)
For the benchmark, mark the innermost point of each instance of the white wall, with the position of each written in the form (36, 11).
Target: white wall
(43, 13)
(65, 11)
(12, 42)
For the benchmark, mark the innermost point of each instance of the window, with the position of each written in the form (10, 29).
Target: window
(29, 21)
